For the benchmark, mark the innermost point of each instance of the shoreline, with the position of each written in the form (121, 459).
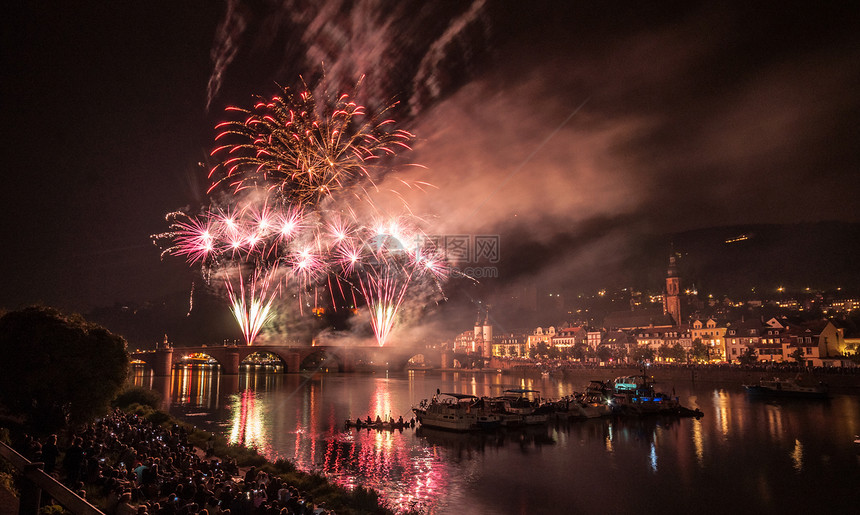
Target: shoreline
(838, 380)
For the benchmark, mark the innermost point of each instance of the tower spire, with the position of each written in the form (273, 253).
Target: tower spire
(671, 300)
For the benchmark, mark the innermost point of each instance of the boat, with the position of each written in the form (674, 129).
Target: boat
(636, 395)
(523, 406)
(777, 387)
(389, 425)
(595, 401)
(451, 411)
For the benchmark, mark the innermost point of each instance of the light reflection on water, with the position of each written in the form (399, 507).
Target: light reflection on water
(589, 466)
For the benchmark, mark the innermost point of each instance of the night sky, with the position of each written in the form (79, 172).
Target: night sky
(547, 123)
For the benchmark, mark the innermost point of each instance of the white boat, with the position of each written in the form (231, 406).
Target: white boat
(451, 411)
(595, 401)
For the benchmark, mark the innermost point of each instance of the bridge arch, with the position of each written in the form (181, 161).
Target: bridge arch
(325, 359)
(197, 357)
(263, 359)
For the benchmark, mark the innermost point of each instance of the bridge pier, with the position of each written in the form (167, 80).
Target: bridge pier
(163, 363)
(293, 361)
(348, 364)
(230, 362)
(447, 359)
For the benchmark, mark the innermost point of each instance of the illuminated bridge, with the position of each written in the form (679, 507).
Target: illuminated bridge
(343, 358)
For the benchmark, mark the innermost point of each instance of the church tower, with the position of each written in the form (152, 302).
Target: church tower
(671, 299)
(478, 338)
(487, 335)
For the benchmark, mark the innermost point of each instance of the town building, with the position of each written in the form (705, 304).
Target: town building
(712, 334)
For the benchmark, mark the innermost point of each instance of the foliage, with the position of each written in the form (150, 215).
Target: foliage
(137, 395)
(53, 509)
(699, 351)
(5, 467)
(578, 351)
(604, 353)
(58, 369)
(641, 354)
(7, 482)
(674, 352)
(797, 355)
(749, 357)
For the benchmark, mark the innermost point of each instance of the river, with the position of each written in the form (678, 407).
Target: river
(743, 456)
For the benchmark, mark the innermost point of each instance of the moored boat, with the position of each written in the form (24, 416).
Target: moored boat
(636, 395)
(451, 411)
(524, 406)
(777, 387)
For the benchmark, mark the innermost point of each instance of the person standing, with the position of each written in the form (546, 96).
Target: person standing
(73, 461)
(50, 453)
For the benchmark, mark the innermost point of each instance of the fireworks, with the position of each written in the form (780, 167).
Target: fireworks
(304, 152)
(252, 303)
(289, 169)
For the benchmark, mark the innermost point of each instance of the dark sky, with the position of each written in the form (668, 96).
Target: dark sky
(542, 122)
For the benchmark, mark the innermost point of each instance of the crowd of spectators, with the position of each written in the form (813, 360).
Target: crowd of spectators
(141, 468)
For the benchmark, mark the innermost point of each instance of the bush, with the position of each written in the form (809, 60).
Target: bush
(137, 395)
(158, 417)
(7, 482)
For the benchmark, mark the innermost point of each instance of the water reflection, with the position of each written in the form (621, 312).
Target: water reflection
(698, 442)
(301, 418)
(195, 385)
(249, 426)
(797, 455)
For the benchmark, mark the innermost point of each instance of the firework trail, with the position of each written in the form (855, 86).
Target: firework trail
(252, 303)
(384, 259)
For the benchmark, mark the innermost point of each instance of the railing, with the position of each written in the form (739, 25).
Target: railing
(36, 481)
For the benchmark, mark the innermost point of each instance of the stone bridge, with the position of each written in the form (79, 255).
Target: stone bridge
(345, 359)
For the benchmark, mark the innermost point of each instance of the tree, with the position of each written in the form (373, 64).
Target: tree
(58, 369)
(749, 357)
(641, 354)
(677, 352)
(578, 352)
(604, 353)
(620, 353)
(797, 355)
(699, 351)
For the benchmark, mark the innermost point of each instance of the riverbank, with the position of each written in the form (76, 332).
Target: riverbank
(144, 460)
